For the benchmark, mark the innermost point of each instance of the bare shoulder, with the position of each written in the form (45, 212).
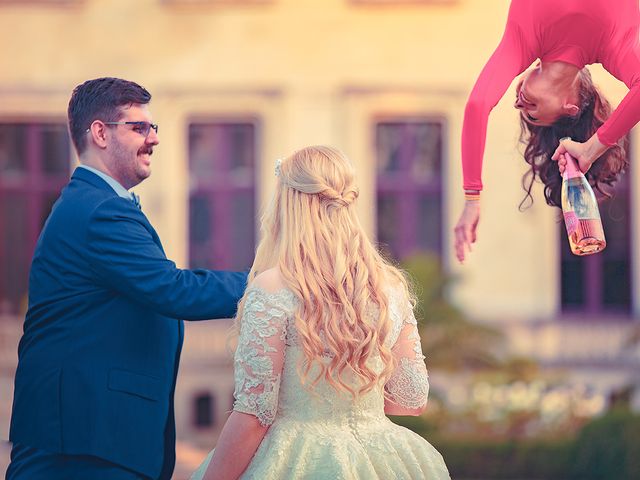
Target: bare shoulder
(270, 280)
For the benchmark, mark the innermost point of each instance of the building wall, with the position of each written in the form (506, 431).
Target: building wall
(310, 71)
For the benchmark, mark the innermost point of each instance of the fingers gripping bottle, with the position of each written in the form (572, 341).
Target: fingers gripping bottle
(581, 214)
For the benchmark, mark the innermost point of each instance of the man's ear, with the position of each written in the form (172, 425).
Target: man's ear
(571, 109)
(98, 133)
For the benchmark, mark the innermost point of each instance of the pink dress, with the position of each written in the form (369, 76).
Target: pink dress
(579, 32)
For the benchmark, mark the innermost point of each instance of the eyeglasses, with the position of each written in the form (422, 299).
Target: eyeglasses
(143, 128)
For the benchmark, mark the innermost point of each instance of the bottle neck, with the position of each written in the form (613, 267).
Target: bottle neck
(571, 170)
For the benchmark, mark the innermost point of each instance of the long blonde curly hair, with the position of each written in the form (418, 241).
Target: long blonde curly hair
(311, 233)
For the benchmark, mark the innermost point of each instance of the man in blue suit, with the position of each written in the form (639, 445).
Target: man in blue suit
(102, 337)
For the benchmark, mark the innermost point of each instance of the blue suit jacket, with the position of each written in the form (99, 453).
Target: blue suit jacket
(99, 355)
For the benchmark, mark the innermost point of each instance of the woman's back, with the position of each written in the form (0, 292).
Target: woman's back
(300, 400)
(317, 430)
(579, 32)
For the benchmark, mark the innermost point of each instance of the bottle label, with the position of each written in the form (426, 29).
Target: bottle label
(571, 221)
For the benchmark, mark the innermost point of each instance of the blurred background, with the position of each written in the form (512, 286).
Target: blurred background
(534, 354)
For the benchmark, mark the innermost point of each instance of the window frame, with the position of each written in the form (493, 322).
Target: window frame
(220, 194)
(594, 306)
(413, 192)
(35, 184)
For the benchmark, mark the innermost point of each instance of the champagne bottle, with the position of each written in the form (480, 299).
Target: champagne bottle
(580, 210)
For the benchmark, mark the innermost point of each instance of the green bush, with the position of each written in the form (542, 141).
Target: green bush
(548, 460)
(420, 425)
(608, 448)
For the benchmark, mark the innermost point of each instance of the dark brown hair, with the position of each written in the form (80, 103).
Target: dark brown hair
(100, 99)
(540, 143)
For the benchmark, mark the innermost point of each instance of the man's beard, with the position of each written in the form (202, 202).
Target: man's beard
(127, 165)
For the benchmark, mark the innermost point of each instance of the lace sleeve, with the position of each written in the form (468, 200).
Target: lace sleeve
(408, 385)
(259, 358)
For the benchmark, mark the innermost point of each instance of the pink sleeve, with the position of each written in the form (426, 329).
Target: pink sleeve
(509, 60)
(624, 118)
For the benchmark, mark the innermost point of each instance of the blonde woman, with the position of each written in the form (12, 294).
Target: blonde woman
(328, 344)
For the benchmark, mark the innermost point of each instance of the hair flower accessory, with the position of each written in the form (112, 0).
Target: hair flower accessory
(278, 165)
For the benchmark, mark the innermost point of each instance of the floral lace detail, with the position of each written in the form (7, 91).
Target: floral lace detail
(259, 356)
(409, 384)
(414, 338)
(401, 313)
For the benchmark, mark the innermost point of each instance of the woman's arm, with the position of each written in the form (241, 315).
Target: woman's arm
(238, 442)
(509, 59)
(626, 68)
(258, 364)
(621, 58)
(407, 389)
(391, 408)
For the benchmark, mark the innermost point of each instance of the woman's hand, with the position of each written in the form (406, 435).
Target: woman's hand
(584, 153)
(465, 229)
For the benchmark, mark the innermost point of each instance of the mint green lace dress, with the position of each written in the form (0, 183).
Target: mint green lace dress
(320, 433)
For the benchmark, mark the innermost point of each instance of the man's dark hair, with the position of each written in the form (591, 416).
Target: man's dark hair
(100, 99)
